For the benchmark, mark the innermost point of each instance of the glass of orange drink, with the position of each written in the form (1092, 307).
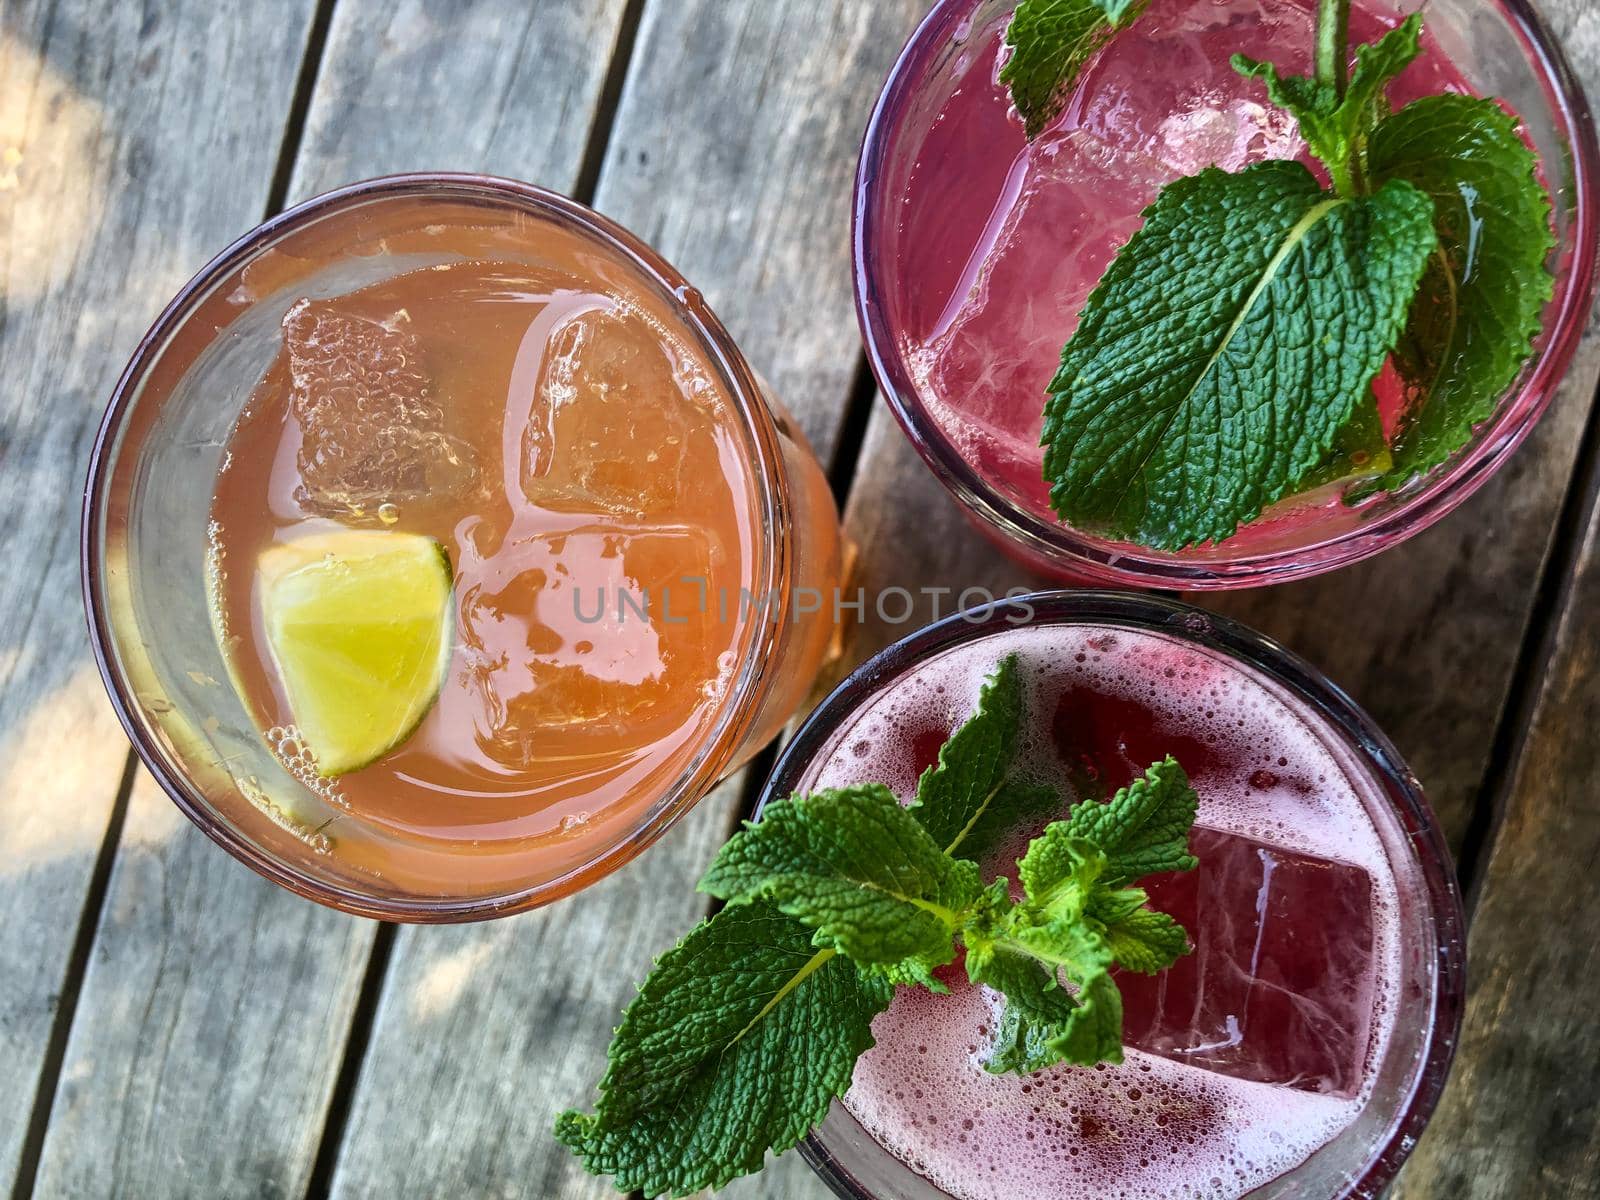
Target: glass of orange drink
(441, 549)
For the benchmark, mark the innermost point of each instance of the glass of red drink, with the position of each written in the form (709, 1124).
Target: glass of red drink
(975, 251)
(1301, 1047)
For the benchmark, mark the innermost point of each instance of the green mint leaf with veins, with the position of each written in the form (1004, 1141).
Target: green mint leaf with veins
(1017, 803)
(858, 869)
(738, 1042)
(1141, 939)
(1143, 829)
(1075, 923)
(1336, 125)
(1224, 349)
(1043, 1023)
(969, 798)
(750, 1027)
(1485, 289)
(1050, 42)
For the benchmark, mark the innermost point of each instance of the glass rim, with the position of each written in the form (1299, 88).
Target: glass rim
(1308, 685)
(1117, 564)
(774, 558)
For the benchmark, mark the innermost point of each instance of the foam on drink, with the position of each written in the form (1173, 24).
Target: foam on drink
(1156, 1126)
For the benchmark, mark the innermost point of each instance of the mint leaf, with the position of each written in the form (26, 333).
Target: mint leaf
(1051, 41)
(1225, 347)
(1042, 1023)
(1023, 950)
(856, 867)
(960, 789)
(1060, 867)
(1142, 830)
(735, 1045)
(1015, 804)
(1334, 124)
(1479, 307)
(1360, 454)
(1141, 939)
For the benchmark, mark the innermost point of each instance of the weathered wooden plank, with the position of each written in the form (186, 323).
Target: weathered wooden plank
(214, 1016)
(457, 85)
(1518, 1118)
(915, 542)
(212, 1019)
(732, 151)
(110, 195)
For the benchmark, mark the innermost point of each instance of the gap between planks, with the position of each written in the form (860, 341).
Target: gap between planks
(77, 965)
(1551, 601)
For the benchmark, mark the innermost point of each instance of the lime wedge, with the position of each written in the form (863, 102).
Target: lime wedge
(359, 626)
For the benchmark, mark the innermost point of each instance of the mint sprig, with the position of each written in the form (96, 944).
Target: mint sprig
(1050, 42)
(859, 870)
(745, 1032)
(737, 1043)
(1224, 349)
(1336, 117)
(1226, 358)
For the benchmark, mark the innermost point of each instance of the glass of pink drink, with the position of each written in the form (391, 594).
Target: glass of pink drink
(1298, 1051)
(975, 251)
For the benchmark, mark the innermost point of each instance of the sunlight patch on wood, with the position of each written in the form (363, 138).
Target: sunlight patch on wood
(52, 173)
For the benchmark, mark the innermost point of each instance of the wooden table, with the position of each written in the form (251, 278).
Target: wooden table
(171, 1025)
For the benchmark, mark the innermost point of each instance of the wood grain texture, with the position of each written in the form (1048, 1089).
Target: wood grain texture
(110, 196)
(457, 85)
(914, 538)
(505, 1025)
(214, 1018)
(1518, 1118)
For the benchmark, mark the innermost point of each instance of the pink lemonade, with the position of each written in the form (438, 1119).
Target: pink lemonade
(1285, 1030)
(999, 241)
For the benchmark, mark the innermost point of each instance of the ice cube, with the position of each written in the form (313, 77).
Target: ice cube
(1279, 987)
(1171, 94)
(1075, 207)
(373, 432)
(619, 422)
(593, 633)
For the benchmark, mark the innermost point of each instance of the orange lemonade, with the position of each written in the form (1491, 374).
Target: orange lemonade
(551, 449)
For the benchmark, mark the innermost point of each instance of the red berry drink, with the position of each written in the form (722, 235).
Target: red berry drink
(977, 249)
(1297, 1050)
